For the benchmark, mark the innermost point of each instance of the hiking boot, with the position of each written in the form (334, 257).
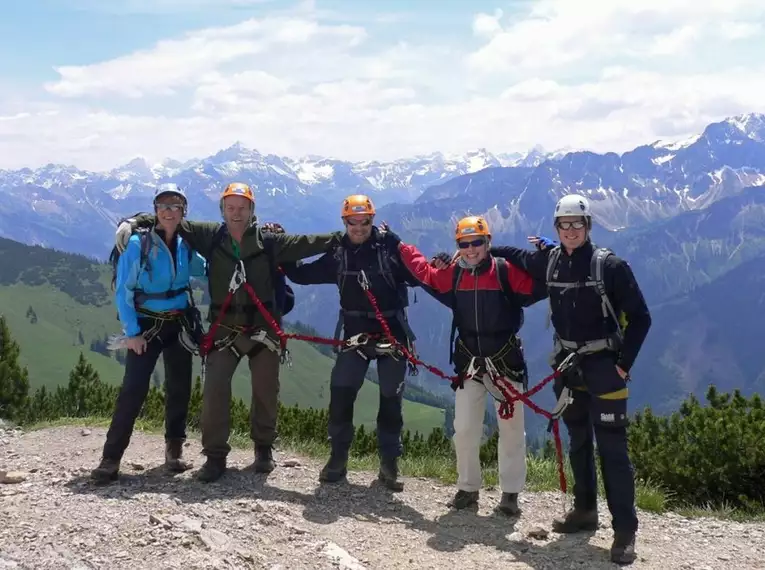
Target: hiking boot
(509, 504)
(264, 459)
(107, 471)
(212, 470)
(576, 520)
(463, 499)
(173, 456)
(623, 548)
(388, 474)
(335, 469)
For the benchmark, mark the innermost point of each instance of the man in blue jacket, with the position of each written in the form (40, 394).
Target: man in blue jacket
(152, 295)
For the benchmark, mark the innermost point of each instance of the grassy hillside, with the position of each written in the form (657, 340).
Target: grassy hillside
(57, 304)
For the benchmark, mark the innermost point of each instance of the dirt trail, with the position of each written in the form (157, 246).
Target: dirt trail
(55, 518)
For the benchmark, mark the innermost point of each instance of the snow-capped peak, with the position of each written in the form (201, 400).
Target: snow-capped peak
(751, 124)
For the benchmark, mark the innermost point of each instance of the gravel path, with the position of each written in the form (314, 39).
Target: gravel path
(52, 517)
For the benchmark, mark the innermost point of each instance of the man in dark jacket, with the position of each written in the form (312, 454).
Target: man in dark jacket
(364, 248)
(230, 248)
(599, 313)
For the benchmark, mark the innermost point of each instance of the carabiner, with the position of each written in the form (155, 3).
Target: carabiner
(363, 281)
(238, 278)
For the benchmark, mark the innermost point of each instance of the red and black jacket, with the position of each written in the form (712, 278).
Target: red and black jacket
(487, 317)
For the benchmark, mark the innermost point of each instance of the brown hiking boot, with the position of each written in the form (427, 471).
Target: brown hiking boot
(173, 456)
(388, 474)
(463, 499)
(335, 469)
(576, 520)
(264, 460)
(509, 504)
(623, 548)
(107, 471)
(212, 470)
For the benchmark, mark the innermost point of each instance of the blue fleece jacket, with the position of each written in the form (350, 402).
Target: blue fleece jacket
(159, 274)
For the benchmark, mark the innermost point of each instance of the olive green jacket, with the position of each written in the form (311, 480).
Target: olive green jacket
(220, 264)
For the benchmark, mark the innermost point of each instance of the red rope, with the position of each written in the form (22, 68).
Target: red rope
(509, 392)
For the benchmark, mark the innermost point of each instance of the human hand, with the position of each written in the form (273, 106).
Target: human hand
(137, 344)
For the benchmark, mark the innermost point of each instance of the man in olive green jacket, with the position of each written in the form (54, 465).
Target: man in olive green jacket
(242, 326)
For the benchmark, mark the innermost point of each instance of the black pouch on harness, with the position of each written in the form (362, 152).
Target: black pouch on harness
(192, 331)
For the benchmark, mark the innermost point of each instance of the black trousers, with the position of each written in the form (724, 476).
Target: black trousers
(600, 410)
(135, 387)
(346, 381)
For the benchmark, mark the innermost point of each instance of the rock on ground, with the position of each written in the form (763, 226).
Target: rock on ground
(55, 518)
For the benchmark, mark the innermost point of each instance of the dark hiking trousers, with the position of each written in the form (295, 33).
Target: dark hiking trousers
(346, 381)
(216, 396)
(600, 406)
(136, 383)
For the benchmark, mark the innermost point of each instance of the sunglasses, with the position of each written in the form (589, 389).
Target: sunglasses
(475, 243)
(170, 207)
(568, 225)
(362, 223)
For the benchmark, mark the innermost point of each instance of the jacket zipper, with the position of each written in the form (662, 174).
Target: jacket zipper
(477, 331)
(173, 271)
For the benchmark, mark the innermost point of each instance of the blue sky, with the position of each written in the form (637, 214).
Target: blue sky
(95, 83)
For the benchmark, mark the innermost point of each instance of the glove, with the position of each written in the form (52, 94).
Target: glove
(441, 260)
(542, 243)
(273, 228)
(392, 239)
(122, 236)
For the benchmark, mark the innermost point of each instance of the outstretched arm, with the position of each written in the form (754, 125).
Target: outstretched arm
(289, 247)
(321, 271)
(534, 262)
(198, 234)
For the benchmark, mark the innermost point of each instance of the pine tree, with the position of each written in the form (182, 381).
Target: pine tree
(14, 380)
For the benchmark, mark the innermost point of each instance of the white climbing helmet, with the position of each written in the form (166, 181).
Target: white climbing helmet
(572, 205)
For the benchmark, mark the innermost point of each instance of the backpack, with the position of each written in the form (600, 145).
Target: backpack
(595, 279)
(283, 293)
(504, 285)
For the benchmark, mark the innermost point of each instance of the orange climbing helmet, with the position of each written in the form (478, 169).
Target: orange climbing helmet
(472, 226)
(357, 205)
(238, 189)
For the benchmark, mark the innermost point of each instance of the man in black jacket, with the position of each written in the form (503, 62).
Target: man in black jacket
(364, 248)
(600, 315)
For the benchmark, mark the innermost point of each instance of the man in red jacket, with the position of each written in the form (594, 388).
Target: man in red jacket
(487, 300)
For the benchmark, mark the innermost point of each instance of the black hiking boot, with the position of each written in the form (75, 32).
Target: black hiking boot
(106, 472)
(576, 520)
(264, 459)
(623, 548)
(173, 456)
(335, 469)
(388, 474)
(509, 504)
(212, 470)
(464, 499)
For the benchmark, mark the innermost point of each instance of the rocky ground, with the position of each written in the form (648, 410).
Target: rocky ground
(51, 516)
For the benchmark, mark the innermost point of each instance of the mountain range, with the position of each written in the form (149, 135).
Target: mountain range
(688, 215)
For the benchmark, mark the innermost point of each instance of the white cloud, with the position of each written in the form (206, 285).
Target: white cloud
(557, 33)
(561, 76)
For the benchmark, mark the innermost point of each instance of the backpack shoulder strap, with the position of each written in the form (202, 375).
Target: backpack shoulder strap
(597, 262)
(503, 276)
(341, 257)
(384, 261)
(456, 278)
(145, 236)
(268, 248)
(552, 263)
